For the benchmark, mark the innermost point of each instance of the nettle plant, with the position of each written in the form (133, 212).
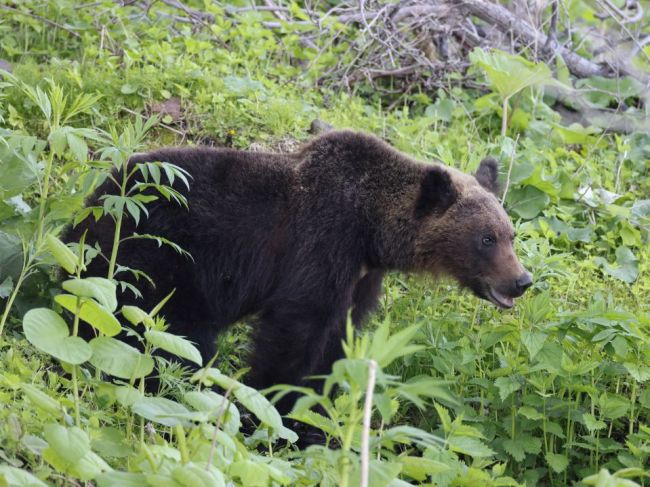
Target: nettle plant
(564, 190)
(357, 410)
(197, 436)
(30, 166)
(92, 301)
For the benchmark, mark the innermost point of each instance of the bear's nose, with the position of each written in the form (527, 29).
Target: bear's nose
(524, 282)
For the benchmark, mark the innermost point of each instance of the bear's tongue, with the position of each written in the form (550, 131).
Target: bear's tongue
(505, 301)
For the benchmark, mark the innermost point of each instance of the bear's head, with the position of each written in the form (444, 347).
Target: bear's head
(464, 232)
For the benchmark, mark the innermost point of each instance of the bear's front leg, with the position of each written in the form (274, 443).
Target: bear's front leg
(294, 341)
(366, 296)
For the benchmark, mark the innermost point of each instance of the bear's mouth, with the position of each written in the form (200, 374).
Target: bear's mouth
(501, 300)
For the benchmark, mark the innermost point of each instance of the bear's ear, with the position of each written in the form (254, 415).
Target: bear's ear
(487, 174)
(437, 192)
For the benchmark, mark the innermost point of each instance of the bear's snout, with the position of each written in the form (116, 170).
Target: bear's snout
(522, 283)
(503, 293)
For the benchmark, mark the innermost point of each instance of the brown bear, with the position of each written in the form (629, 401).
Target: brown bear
(295, 242)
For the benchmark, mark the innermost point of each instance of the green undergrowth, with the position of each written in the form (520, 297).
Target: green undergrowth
(554, 392)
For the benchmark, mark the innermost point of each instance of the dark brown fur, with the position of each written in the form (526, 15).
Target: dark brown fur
(297, 241)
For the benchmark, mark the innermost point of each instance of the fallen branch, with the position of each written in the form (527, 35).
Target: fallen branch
(194, 14)
(420, 42)
(501, 17)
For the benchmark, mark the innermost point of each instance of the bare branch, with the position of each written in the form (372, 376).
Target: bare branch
(197, 15)
(501, 17)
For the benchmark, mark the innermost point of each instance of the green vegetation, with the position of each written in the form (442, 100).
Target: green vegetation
(554, 392)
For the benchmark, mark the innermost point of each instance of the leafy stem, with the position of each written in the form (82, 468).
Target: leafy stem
(118, 223)
(43, 197)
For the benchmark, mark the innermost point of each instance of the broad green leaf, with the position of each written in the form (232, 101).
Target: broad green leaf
(249, 473)
(602, 92)
(63, 255)
(386, 405)
(380, 473)
(92, 313)
(127, 396)
(629, 235)
(174, 344)
(110, 442)
(254, 401)
(161, 480)
(508, 74)
(17, 169)
(521, 445)
(605, 479)
(119, 359)
(191, 475)
(469, 446)
(419, 468)
(47, 331)
(444, 416)
(533, 341)
(82, 103)
(419, 387)
(442, 109)
(128, 89)
(16, 477)
(613, 406)
(70, 443)
(78, 146)
(86, 468)
(576, 133)
(385, 349)
(58, 140)
(160, 410)
(530, 413)
(640, 373)
(448, 458)
(549, 357)
(212, 403)
(136, 315)
(11, 257)
(514, 449)
(121, 479)
(620, 345)
(243, 86)
(506, 386)
(555, 429)
(527, 202)
(557, 462)
(42, 400)
(103, 290)
(156, 309)
(626, 267)
(317, 420)
(411, 435)
(592, 423)
(640, 214)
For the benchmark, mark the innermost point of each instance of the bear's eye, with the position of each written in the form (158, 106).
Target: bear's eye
(488, 240)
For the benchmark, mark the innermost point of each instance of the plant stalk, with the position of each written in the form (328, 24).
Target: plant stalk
(504, 116)
(116, 245)
(43, 198)
(365, 434)
(75, 384)
(10, 301)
